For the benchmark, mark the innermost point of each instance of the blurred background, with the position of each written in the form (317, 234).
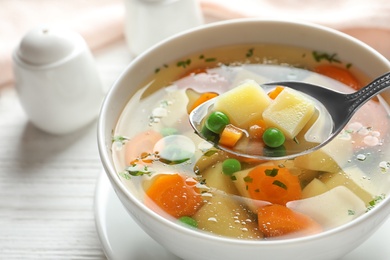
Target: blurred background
(102, 22)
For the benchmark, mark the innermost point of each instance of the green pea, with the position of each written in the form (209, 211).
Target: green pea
(217, 121)
(273, 137)
(230, 166)
(188, 221)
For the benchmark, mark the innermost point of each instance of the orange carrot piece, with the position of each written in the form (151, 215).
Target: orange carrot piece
(340, 74)
(203, 98)
(230, 135)
(138, 147)
(256, 130)
(273, 184)
(274, 93)
(173, 194)
(277, 220)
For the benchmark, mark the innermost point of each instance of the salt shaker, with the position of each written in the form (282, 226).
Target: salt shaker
(150, 21)
(57, 80)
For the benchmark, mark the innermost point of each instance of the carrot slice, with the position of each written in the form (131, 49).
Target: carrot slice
(203, 98)
(277, 220)
(176, 196)
(256, 130)
(274, 93)
(140, 146)
(273, 184)
(340, 74)
(230, 135)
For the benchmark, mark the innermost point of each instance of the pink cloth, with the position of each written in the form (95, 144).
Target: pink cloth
(101, 22)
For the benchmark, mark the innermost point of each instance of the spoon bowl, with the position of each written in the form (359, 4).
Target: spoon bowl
(334, 107)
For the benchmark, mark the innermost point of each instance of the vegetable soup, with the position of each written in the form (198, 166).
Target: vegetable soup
(184, 178)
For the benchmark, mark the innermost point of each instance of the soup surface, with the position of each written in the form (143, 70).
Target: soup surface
(184, 178)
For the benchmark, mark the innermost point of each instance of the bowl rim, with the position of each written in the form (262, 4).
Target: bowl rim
(123, 192)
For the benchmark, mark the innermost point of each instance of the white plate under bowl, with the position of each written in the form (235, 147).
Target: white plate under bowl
(122, 238)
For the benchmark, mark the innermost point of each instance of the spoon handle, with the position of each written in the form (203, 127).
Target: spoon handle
(358, 98)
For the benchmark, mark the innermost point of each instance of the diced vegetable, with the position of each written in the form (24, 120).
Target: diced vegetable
(215, 179)
(314, 188)
(273, 137)
(230, 136)
(217, 121)
(188, 221)
(289, 112)
(277, 220)
(329, 158)
(243, 104)
(256, 130)
(332, 208)
(223, 215)
(173, 194)
(354, 180)
(230, 166)
(269, 183)
(210, 158)
(339, 74)
(203, 98)
(273, 94)
(138, 147)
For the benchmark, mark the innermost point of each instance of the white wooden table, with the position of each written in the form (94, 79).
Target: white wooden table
(47, 182)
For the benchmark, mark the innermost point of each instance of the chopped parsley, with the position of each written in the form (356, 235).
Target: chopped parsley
(249, 53)
(248, 179)
(319, 56)
(210, 59)
(279, 184)
(271, 173)
(183, 63)
(351, 212)
(133, 171)
(375, 201)
(119, 139)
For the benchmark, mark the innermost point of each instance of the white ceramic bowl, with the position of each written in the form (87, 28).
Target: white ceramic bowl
(190, 244)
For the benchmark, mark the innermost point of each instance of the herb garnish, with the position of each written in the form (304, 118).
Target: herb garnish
(325, 56)
(184, 63)
(351, 212)
(375, 201)
(271, 173)
(119, 138)
(133, 170)
(248, 179)
(210, 59)
(249, 53)
(280, 184)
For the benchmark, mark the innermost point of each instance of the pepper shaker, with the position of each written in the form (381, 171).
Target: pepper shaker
(150, 21)
(56, 79)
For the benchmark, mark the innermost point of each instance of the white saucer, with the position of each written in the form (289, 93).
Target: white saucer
(121, 238)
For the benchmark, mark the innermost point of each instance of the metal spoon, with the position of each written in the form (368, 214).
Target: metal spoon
(336, 107)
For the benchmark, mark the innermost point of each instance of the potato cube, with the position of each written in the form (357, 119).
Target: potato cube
(314, 188)
(223, 215)
(353, 179)
(290, 111)
(329, 158)
(243, 104)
